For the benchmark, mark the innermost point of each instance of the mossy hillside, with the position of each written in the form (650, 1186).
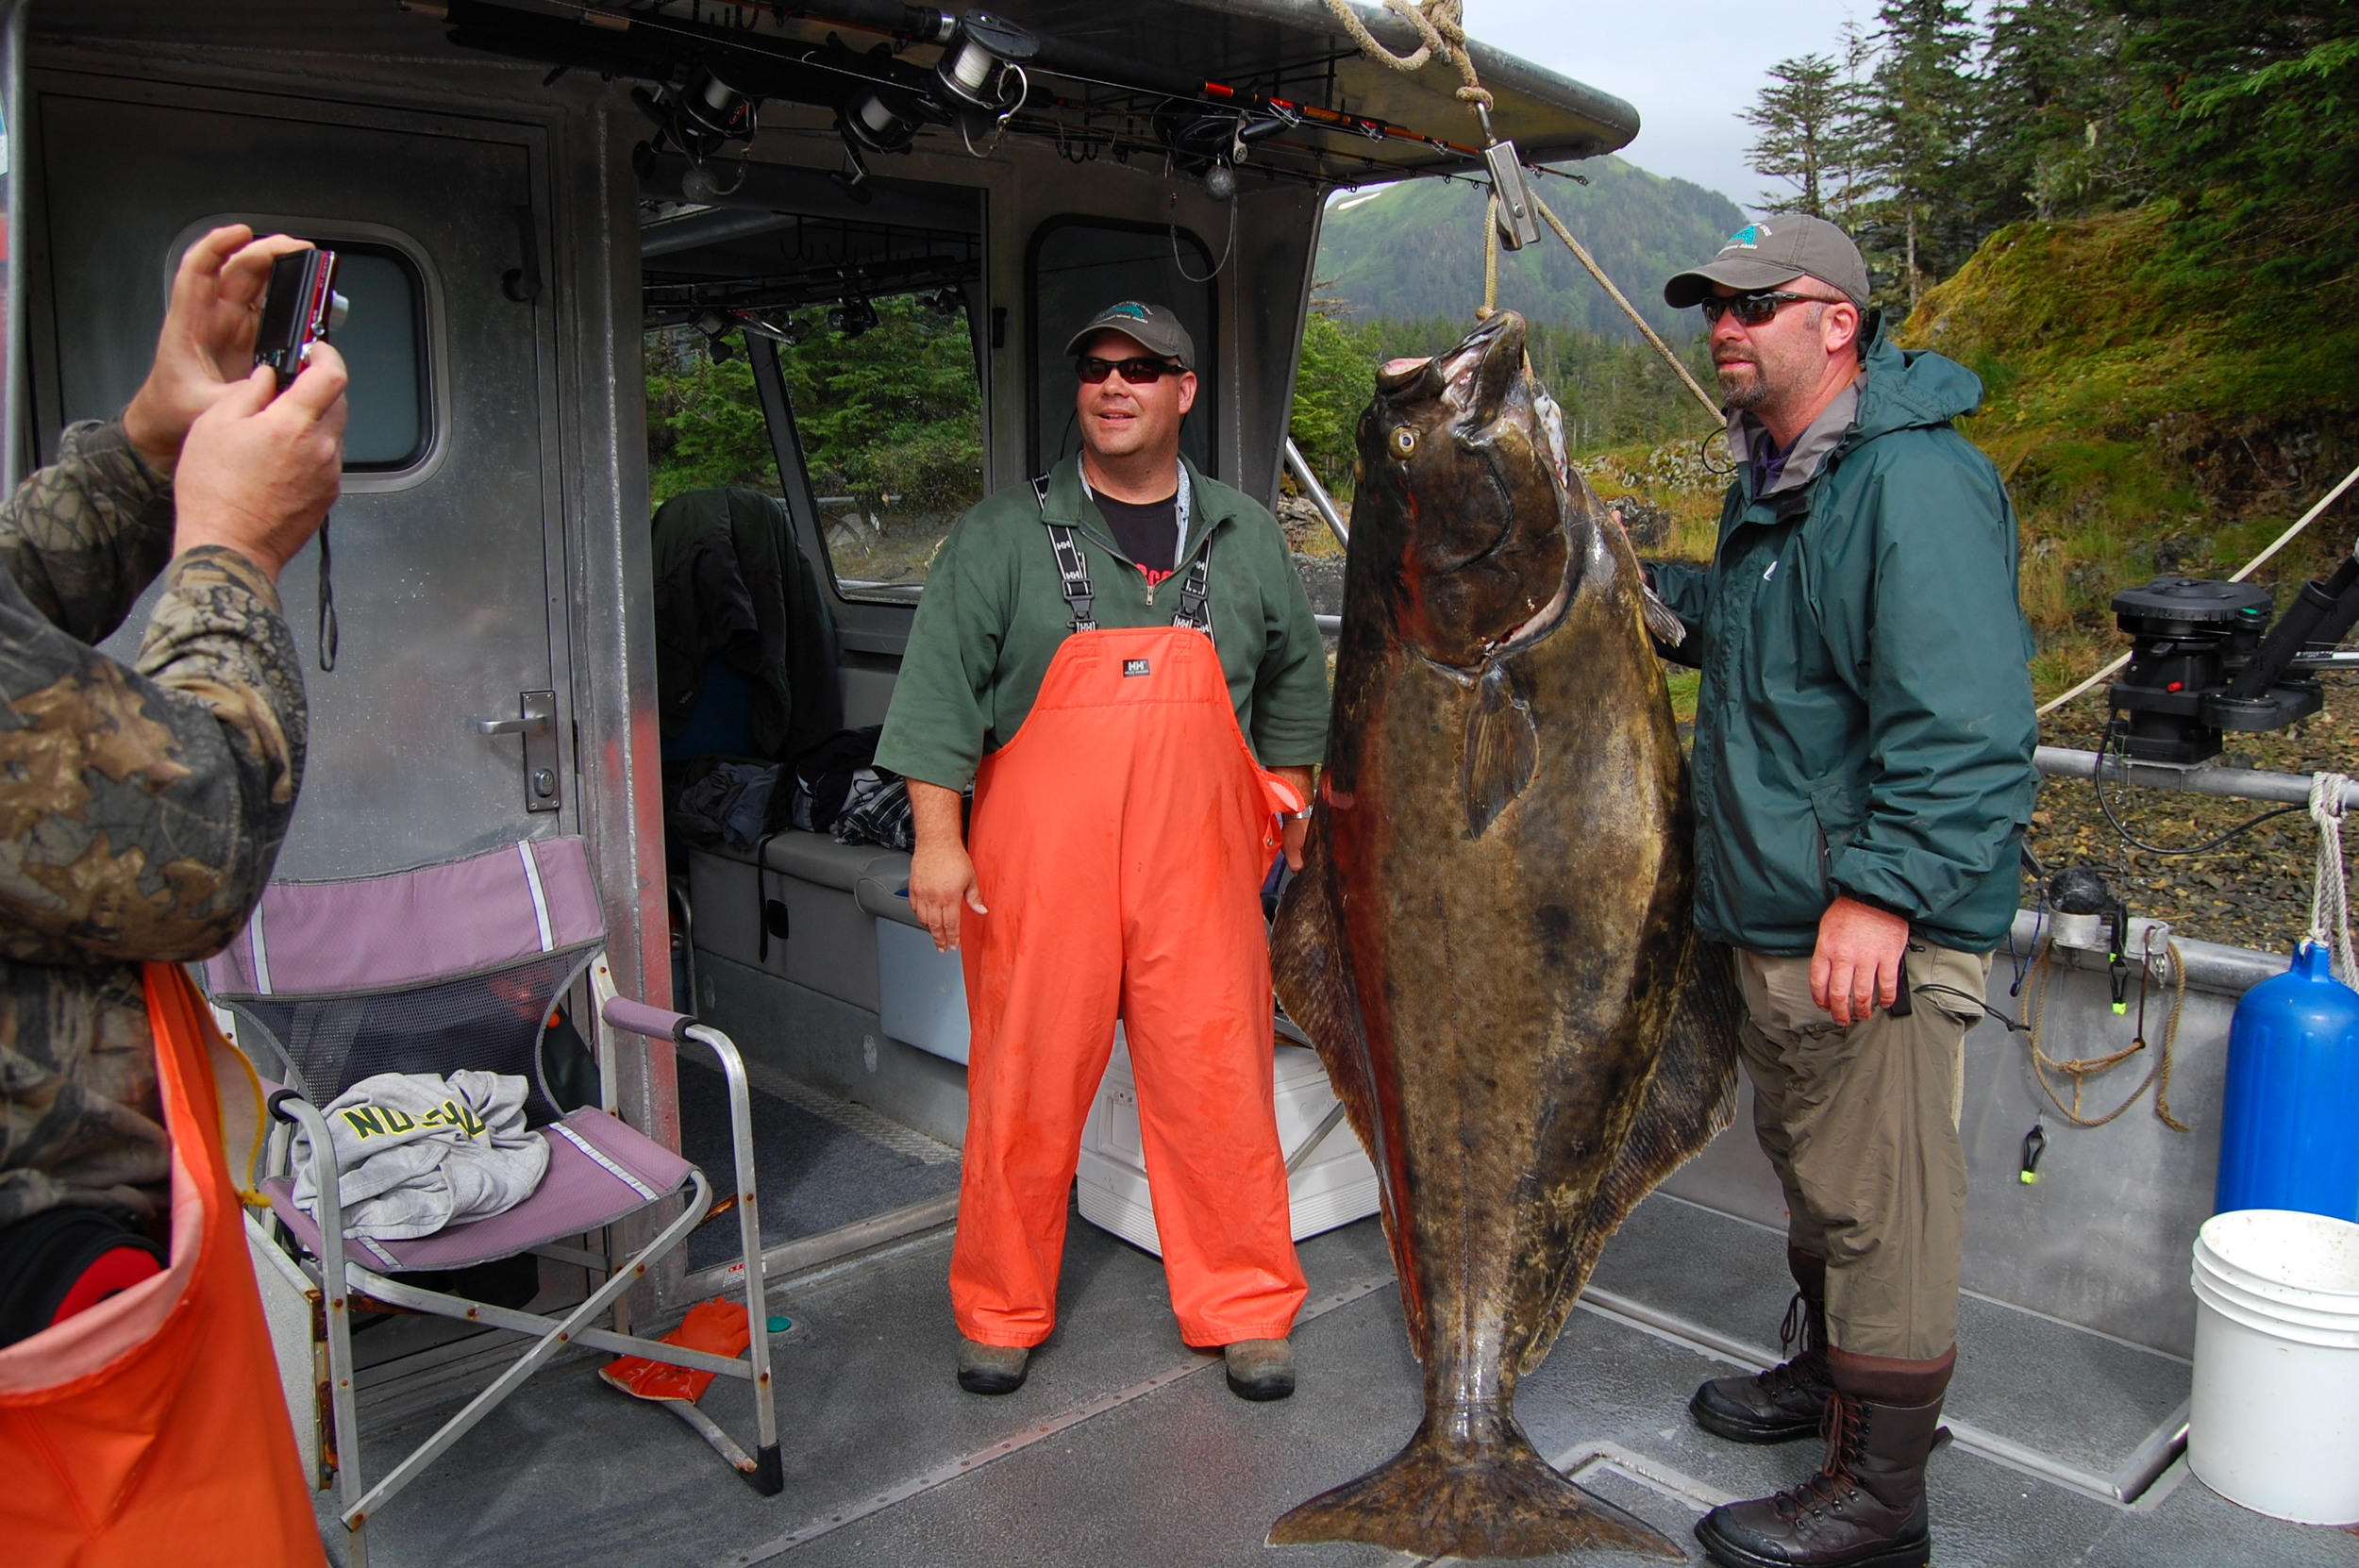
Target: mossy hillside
(2145, 423)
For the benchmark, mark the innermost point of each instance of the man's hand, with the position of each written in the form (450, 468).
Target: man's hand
(1298, 829)
(207, 346)
(942, 877)
(1856, 967)
(260, 471)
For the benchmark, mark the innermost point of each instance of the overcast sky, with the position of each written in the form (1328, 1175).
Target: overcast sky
(1688, 65)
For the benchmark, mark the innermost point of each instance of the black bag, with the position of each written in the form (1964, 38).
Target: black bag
(823, 779)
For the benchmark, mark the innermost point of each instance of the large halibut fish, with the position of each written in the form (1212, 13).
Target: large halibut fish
(1490, 941)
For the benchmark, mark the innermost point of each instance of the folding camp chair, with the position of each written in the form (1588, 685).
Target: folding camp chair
(457, 966)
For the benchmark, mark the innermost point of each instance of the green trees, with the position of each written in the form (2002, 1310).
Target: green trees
(1938, 131)
(1806, 122)
(895, 412)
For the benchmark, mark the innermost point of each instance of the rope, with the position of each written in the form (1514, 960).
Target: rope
(1711, 404)
(2247, 570)
(2330, 898)
(2080, 1069)
(1441, 24)
(1490, 263)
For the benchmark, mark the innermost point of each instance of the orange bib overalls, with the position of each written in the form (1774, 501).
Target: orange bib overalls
(1120, 839)
(150, 1428)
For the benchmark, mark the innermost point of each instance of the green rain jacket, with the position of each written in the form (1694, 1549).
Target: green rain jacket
(1864, 724)
(992, 615)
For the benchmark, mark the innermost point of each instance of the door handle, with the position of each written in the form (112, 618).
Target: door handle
(536, 723)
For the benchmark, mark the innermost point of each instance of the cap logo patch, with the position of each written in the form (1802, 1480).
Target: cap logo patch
(1129, 310)
(1748, 238)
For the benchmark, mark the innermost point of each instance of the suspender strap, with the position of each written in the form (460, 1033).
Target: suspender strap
(1192, 610)
(1081, 595)
(1075, 572)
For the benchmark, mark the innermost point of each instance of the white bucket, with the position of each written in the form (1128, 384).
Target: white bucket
(2275, 1425)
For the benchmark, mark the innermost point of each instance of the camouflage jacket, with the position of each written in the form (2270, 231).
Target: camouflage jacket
(141, 807)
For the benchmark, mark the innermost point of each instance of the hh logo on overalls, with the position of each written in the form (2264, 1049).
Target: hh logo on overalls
(1133, 667)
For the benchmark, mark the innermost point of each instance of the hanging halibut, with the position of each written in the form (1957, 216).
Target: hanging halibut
(1490, 941)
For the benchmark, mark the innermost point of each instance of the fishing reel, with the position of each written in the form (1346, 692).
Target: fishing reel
(2204, 659)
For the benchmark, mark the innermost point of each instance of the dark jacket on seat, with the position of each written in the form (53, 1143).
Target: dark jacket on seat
(730, 585)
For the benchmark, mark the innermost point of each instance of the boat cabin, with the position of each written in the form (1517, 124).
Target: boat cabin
(602, 255)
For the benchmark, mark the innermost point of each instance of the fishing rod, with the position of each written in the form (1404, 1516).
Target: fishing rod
(978, 49)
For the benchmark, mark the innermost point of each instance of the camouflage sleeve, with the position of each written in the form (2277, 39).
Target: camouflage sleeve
(141, 809)
(86, 534)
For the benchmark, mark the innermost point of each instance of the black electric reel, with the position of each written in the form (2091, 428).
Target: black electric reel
(2204, 659)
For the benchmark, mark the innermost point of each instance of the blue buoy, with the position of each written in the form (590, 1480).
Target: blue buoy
(2289, 1137)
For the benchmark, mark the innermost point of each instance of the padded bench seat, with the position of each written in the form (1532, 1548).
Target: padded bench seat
(830, 940)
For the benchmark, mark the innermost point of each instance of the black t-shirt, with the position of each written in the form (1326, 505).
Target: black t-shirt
(1149, 534)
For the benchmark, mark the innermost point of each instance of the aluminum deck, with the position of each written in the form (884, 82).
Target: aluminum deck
(1126, 1448)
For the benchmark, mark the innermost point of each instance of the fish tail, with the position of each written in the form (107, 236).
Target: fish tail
(1494, 1497)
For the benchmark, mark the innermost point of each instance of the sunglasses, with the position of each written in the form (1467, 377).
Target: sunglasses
(1138, 372)
(1758, 307)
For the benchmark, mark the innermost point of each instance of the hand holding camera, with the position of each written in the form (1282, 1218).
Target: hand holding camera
(206, 344)
(261, 467)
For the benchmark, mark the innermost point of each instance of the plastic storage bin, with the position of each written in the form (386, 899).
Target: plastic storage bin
(1336, 1186)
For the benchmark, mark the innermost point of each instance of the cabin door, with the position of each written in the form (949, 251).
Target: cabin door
(447, 723)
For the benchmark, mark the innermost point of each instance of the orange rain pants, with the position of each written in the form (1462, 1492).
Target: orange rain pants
(1120, 840)
(150, 1428)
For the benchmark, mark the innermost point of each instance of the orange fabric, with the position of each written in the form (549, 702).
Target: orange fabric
(177, 1449)
(1120, 840)
(717, 1326)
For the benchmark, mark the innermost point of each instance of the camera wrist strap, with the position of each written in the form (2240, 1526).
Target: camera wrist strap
(327, 602)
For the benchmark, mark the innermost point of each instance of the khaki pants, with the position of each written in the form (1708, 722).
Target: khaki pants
(1862, 1124)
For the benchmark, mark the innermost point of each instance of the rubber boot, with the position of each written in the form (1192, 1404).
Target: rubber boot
(1785, 1402)
(1866, 1507)
(991, 1369)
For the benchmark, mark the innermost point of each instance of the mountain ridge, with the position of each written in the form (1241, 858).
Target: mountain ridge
(1413, 251)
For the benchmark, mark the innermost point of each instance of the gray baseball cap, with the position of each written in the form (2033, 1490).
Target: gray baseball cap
(1777, 250)
(1152, 325)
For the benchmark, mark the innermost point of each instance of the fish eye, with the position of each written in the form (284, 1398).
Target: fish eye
(1404, 442)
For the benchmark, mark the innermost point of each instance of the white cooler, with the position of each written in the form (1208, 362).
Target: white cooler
(1335, 1186)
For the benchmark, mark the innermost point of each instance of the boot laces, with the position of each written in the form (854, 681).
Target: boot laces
(1799, 1366)
(1844, 1428)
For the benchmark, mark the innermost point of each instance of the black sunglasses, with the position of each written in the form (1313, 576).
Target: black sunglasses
(1139, 372)
(1758, 307)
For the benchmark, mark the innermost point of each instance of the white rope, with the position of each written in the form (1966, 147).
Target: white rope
(2330, 898)
(2247, 570)
(1440, 24)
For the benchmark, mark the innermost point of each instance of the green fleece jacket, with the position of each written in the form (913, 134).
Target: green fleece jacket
(1864, 724)
(992, 617)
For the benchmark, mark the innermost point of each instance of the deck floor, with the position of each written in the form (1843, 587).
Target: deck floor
(1126, 1448)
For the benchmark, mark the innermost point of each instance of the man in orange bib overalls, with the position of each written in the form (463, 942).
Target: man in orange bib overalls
(1121, 659)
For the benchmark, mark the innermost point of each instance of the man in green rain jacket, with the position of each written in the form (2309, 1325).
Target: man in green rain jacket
(1863, 777)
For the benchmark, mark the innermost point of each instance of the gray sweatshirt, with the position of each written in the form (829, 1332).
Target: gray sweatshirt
(418, 1152)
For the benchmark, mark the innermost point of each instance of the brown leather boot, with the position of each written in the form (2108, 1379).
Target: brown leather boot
(1865, 1508)
(1786, 1401)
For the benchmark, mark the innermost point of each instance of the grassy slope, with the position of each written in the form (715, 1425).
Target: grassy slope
(2143, 425)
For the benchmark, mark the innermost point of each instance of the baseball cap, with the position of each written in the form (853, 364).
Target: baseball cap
(1153, 325)
(1776, 250)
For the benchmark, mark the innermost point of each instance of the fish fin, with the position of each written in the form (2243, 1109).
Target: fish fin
(1502, 748)
(1663, 623)
(1690, 1099)
(1310, 971)
(1496, 1499)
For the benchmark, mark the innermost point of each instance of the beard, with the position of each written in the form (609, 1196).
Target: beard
(1738, 389)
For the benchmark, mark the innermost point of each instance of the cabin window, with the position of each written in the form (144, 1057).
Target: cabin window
(1079, 266)
(888, 417)
(891, 421)
(383, 341)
